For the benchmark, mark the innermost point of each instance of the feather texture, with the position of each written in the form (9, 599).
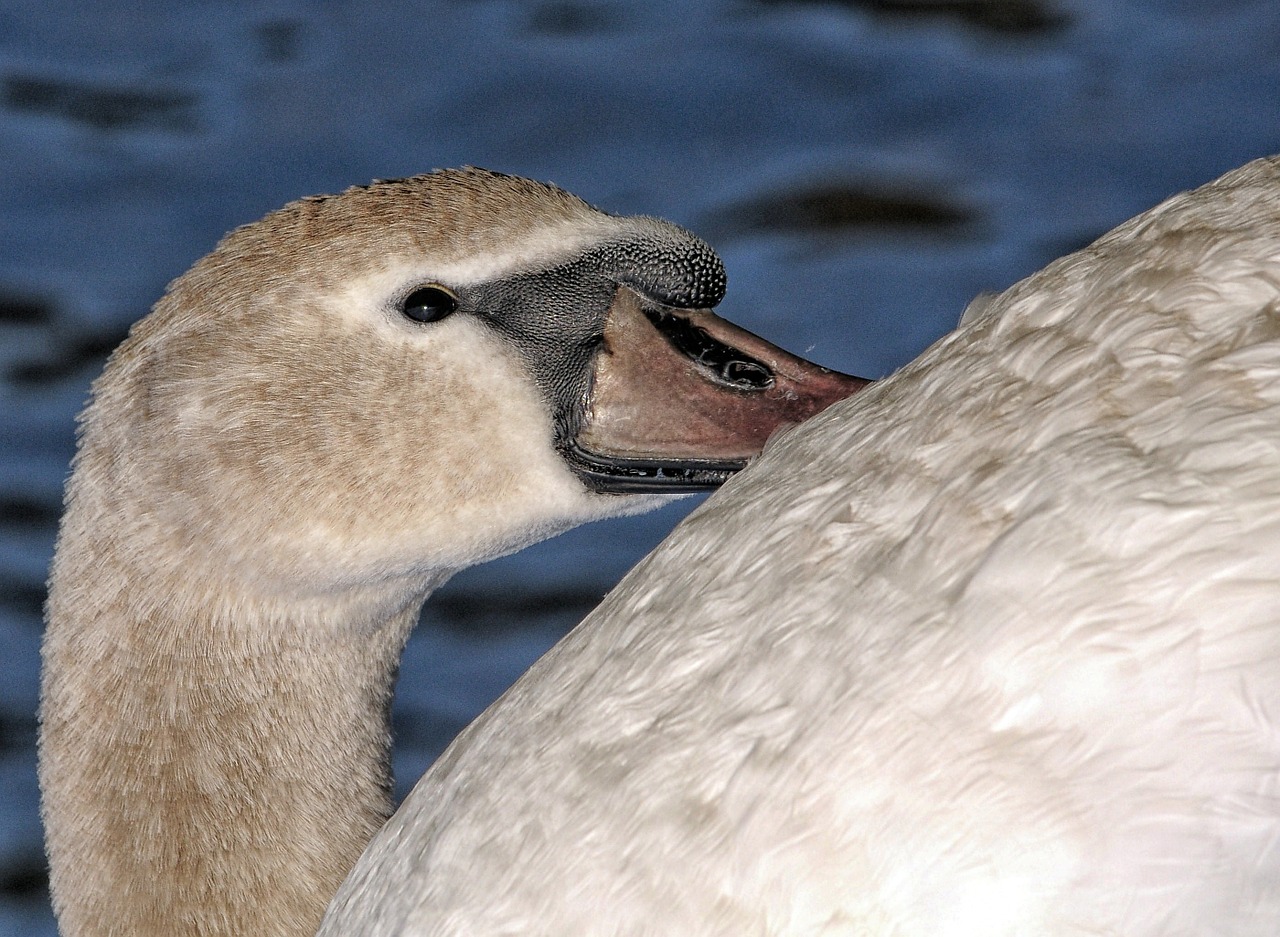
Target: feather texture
(992, 648)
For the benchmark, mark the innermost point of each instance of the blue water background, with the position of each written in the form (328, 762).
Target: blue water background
(864, 168)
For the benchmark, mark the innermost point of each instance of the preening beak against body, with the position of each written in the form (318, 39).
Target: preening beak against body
(652, 392)
(716, 394)
(342, 405)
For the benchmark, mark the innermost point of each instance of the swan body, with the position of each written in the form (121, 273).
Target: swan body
(992, 648)
(340, 406)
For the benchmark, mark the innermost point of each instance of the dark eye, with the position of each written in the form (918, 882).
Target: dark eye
(429, 304)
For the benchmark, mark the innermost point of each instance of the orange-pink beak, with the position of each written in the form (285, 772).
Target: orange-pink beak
(681, 399)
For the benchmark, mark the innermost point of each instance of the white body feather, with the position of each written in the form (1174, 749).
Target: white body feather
(990, 649)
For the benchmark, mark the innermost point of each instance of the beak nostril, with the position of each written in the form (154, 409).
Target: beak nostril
(727, 363)
(746, 373)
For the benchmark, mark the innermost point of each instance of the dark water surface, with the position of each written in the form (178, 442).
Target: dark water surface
(864, 167)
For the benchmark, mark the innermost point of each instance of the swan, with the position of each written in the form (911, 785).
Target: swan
(340, 406)
(991, 648)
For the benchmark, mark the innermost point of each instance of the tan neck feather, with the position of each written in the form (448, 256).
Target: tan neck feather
(207, 773)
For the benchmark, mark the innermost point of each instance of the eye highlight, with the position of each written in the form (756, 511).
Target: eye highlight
(429, 303)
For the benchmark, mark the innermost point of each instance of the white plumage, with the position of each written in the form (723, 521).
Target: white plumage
(989, 649)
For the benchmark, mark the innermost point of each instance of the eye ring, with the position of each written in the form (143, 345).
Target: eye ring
(429, 303)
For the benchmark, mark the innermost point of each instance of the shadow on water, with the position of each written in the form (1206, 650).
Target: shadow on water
(25, 882)
(17, 309)
(834, 208)
(103, 107)
(1007, 18)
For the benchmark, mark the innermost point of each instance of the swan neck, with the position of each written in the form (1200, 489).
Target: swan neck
(210, 769)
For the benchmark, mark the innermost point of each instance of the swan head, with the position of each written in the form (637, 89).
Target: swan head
(338, 407)
(416, 375)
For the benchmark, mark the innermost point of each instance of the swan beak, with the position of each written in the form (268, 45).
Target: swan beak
(681, 399)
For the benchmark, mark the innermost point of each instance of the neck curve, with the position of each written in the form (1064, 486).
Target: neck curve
(209, 767)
